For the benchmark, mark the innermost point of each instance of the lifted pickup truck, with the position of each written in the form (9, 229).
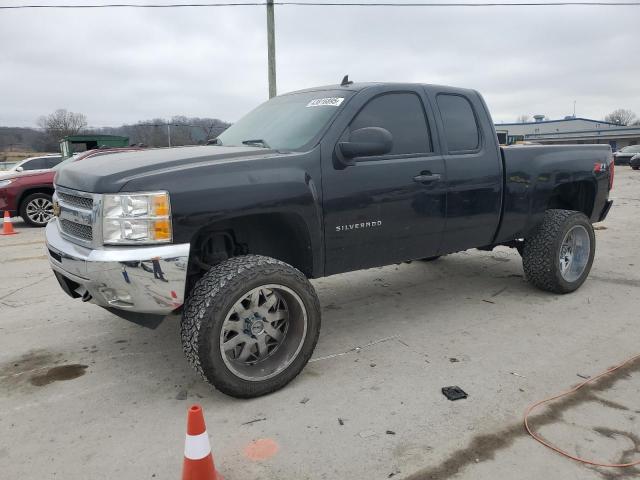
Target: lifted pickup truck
(315, 183)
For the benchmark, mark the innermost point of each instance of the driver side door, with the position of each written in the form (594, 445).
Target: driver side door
(388, 208)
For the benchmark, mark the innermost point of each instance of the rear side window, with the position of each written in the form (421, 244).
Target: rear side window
(53, 161)
(402, 115)
(35, 164)
(460, 127)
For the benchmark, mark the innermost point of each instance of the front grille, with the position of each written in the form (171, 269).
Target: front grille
(78, 215)
(84, 232)
(76, 200)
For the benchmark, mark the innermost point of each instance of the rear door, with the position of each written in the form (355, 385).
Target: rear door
(473, 166)
(387, 208)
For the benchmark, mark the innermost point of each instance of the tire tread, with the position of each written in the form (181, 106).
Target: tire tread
(224, 279)
(538, 256)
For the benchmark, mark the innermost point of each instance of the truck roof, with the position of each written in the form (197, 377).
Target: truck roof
(356, 87)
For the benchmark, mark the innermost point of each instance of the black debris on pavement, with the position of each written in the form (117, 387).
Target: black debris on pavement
(454, 393)
(254, 421)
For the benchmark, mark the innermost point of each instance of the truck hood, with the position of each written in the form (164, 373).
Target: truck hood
(110, 173)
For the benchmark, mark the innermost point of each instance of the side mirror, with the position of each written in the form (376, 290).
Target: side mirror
(366, 142)
(19, 169)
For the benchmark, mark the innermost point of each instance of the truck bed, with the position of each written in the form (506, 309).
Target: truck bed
(534, 174)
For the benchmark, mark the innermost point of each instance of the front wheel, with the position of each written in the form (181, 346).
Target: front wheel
(37, 209)
(558, 257)
(250, 325)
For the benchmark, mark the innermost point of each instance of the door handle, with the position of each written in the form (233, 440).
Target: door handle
(427, 177)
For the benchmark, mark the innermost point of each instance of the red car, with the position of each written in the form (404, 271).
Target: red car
(28, 193)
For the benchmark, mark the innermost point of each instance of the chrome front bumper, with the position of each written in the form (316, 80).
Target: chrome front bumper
(145, 279)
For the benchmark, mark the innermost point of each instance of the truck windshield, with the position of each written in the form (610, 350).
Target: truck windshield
(288, 122)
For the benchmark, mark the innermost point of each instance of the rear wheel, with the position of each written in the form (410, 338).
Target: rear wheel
(558, 257)
(250, 325)
(635, 167)
(37, 209)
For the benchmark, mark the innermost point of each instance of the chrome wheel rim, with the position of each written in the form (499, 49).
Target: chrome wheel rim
(263, 332)
(40, 210)
(574, 253)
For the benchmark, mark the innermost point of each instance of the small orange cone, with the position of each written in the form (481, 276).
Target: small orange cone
(198, 460)
(7, 226)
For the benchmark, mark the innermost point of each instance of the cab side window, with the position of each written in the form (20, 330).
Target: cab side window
(460, 127)
(402, 114)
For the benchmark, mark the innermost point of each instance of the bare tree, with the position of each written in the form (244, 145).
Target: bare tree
(62, 123)
(211, 127)
(524, 118)
(621, 116)
(181, 131)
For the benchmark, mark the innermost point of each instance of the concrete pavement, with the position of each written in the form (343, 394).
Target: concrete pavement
(85, 394)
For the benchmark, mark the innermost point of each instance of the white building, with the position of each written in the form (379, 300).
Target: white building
(569, 130)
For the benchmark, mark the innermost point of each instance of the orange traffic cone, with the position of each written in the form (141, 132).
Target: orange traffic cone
(7, 226)
(198, 460)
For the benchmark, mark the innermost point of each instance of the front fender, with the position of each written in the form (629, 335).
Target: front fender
(205, 195)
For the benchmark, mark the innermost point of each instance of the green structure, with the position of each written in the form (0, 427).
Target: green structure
(90, 142)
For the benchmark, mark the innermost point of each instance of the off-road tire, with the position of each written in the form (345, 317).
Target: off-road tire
(540, 257)
(209, 303)
(23, 208)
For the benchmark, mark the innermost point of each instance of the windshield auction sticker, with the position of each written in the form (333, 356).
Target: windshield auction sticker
(326, 102)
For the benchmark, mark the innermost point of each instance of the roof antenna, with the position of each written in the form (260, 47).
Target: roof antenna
(345, 81)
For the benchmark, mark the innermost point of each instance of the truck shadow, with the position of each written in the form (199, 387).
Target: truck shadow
(482, 278)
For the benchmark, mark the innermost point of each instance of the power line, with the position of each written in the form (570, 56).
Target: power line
(327, 4)
(129, 126)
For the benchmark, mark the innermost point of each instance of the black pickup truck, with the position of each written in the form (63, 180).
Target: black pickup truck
(309, 184)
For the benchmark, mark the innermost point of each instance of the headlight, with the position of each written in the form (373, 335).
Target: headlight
(4, 183)
(133, 218)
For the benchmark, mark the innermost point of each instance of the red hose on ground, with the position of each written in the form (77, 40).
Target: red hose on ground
(568, 392)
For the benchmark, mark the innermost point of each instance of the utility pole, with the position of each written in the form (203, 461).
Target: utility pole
(271, 47)
(169, 133)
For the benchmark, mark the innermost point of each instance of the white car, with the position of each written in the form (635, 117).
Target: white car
(43, 162)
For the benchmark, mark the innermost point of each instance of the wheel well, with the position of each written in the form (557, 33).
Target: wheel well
(579, 196)
(282, 236)
(26, 193)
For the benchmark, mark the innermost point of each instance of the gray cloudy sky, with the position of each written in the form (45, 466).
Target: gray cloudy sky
(123, 65)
